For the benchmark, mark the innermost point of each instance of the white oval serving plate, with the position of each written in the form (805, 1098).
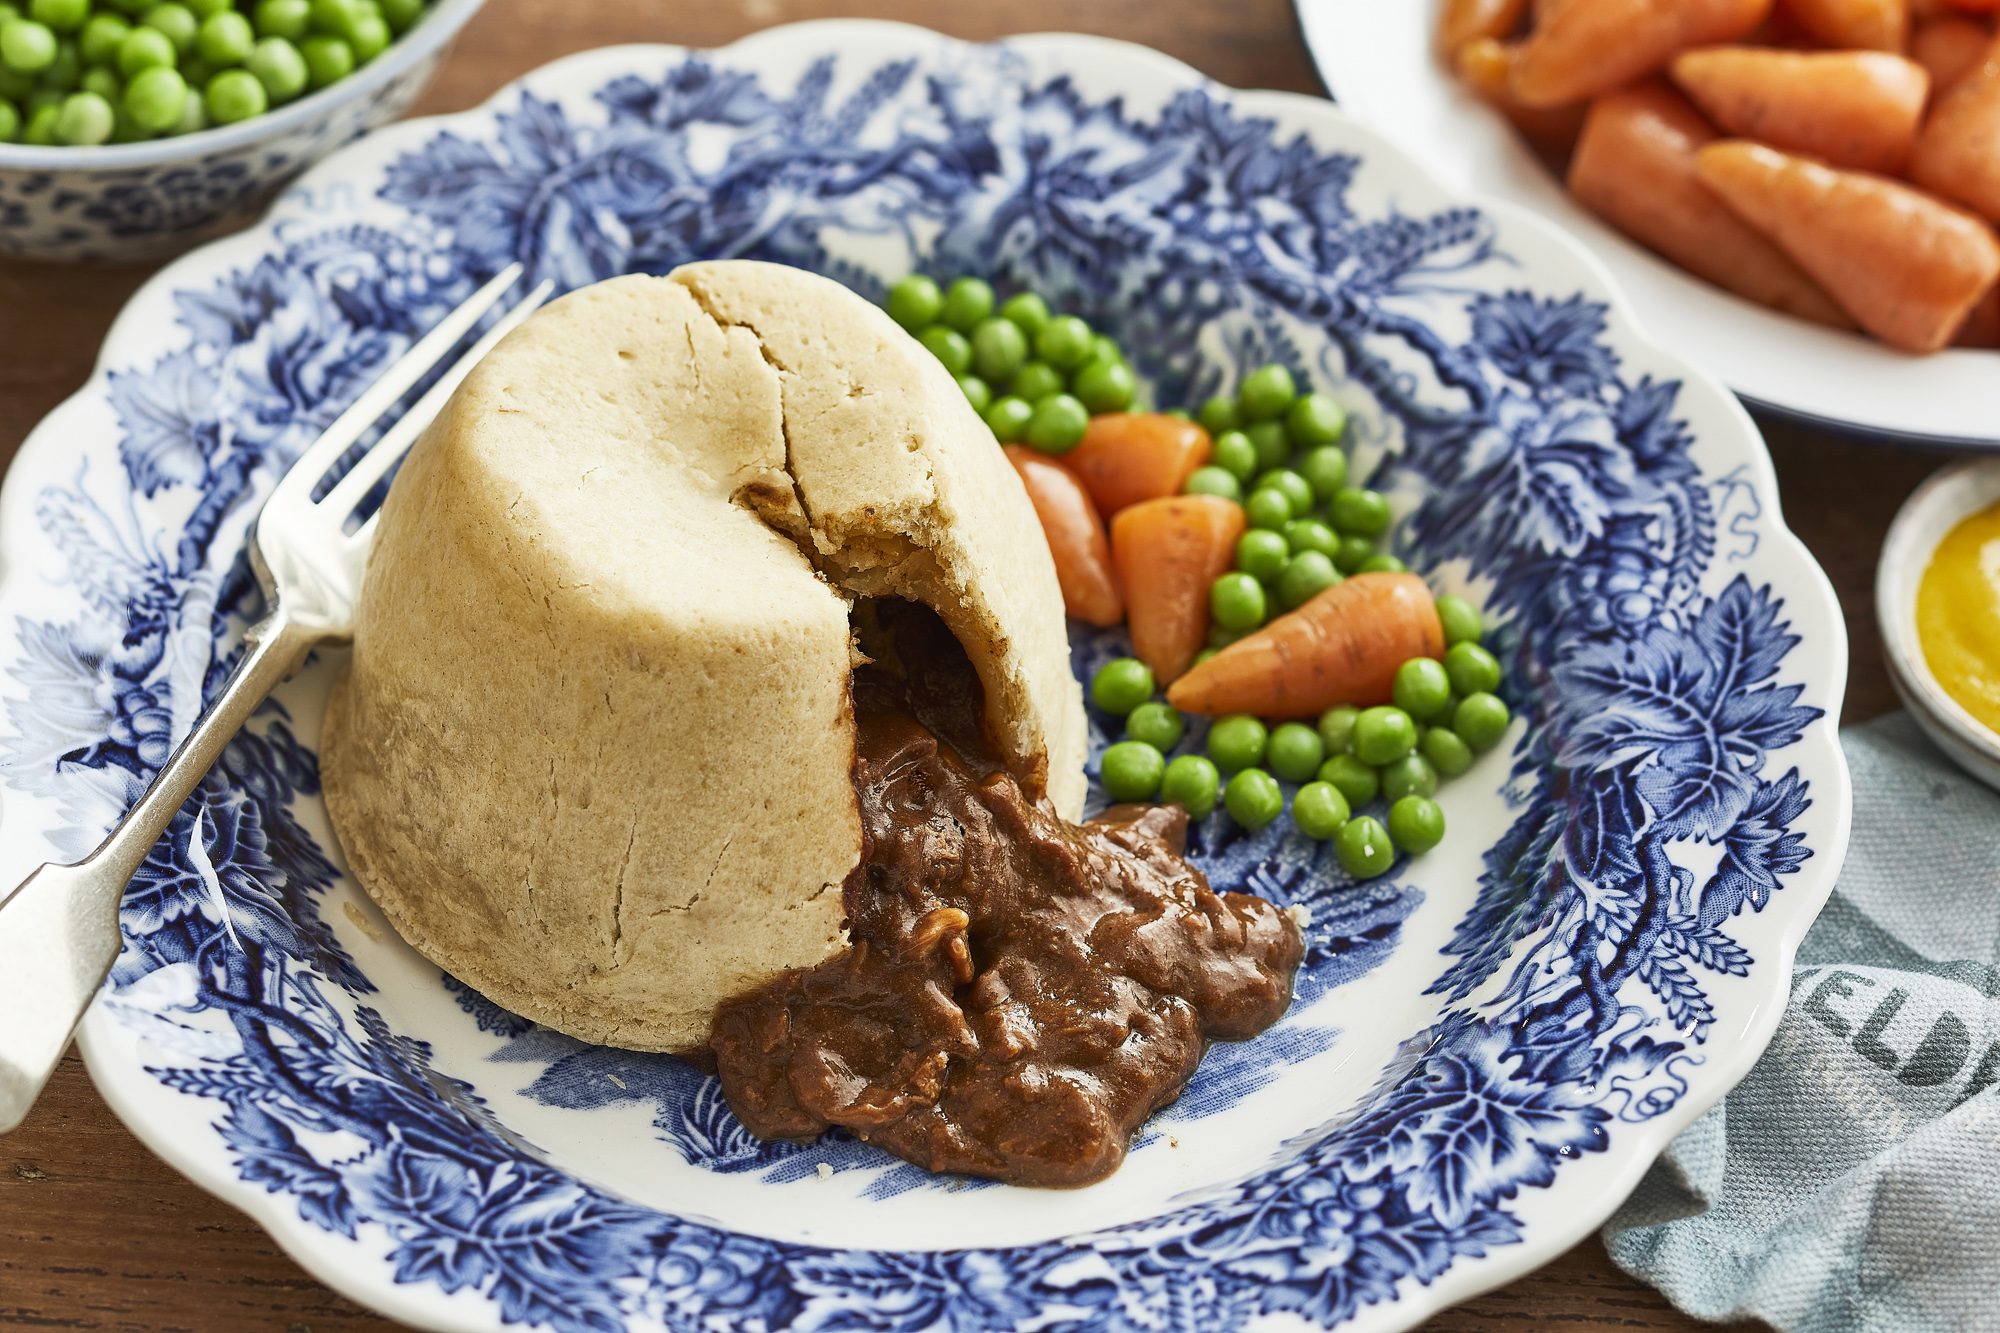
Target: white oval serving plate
(1489, 1044)
(1379, 63)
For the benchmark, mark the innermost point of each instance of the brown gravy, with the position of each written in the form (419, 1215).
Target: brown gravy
(1021, 992)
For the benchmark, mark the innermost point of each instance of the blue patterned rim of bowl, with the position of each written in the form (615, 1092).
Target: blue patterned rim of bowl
(1490, 1044)
(438, 26)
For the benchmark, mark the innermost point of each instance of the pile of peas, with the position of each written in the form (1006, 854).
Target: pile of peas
(1445, 712)
(73, 72)
(1036, 377)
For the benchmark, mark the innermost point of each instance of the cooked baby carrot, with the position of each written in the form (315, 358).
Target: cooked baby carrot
(1168, 552)
(1634, 167)
(1950, 49)
(1342, 647)
(1468, 20)
(1127, 457)
(1487, 68)
(1866, 25)
(1958, 154)
(1853, 108)
(1906, 266)
(1592, 46)
(1076, 537)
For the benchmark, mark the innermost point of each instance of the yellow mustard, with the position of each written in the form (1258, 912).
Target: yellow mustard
(1958, 615)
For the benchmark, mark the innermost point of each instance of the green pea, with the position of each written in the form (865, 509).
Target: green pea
(1265, 393)
(1268, 509)
(1472, 669)
(1261, 554)
(1103, 347)
(144, 49)
(1383, 734)
(1318, 809)
(156, 97)
(1309, 534)
(1314, 420)
(1306, 576)
(61, 15)
(977, 391)
(999, 349)
(1353, 553)
(967, 303)
(226, 38)
(1363, 848)
(1447, 751)
(1192, 783)
(1273, 448)
(1131, 771)
(368, 35)
(1037, 380)
(1028, 311)
(176, 22)
(914, 301)
(63, 72)
(1058, 424)
(1237, 742)
(329, 60)
(1412, 775)
(1213, 481)
(1325, 469)
(1204, 655)
(85, 120)
(10, 121)
(1461, 619)
(1234, 453)
(1121, 685)
(1106, 386)
(1295, 752)
(1159, 725)
(1008, 417)
(194, 114)
(26, 46)
(41, 127)
(949, 346)
(1358, 512)
(1219, 414)
(401, 15)
(279, 67)
(1416, 824)
(1383, 563)
(1236, 601)
(1336, 728)
(290, 19)
(335, 15)
(1253, 799)
(1064, 342)
(1422, 690)
(1296, 488)
(1480, 720)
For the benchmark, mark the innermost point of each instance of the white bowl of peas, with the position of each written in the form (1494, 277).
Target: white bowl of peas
(134, 128)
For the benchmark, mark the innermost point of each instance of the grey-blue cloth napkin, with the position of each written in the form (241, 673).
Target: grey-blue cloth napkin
(1850, 1182)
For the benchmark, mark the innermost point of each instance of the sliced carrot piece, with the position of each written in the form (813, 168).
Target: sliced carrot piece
(1075, 535)
(1589, 47)
(1127, 457)
(1635, 168)
(1487, 67)
(1342, 647)
(1866, 25)
(1950, 48)
(1469, 20)
(1853, 108)
(1168, 552)
(1907, 267)
(1958, 154)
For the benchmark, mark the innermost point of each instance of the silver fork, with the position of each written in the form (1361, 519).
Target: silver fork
(59, 927)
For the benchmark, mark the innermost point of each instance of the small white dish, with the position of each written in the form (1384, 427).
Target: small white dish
(1932, 510)
(1379, 63)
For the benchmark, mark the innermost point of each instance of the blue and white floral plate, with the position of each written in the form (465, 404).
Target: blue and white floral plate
(1489, 1044)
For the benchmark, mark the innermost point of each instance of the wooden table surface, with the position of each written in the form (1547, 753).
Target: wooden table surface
(96, 1233)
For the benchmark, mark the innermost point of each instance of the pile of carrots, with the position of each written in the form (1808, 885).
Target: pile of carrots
(1838, 160)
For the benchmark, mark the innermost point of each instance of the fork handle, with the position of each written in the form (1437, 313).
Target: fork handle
(59, 927)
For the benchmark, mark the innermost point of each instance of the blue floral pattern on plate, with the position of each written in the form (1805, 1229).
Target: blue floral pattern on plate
(1659, 796)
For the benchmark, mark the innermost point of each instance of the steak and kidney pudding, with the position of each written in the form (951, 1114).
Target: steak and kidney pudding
(711, 694)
